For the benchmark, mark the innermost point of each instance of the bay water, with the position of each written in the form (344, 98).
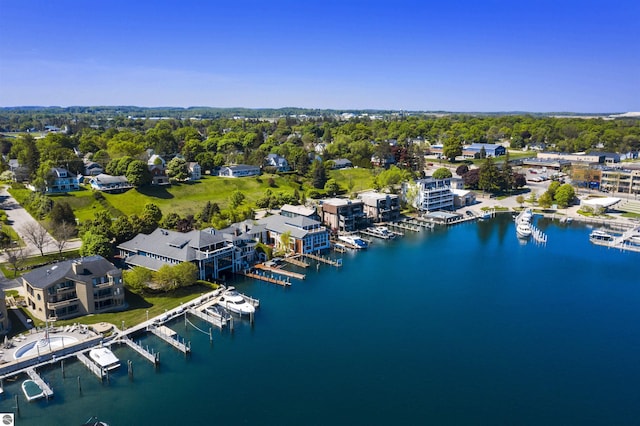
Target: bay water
(463, 325)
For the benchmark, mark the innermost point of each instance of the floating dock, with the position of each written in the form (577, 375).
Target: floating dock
(295, 261)
(336, 263)
(152, 357)
(280, 271)
(265, 278)
(171, 337)
(97, 371)
(46, 390)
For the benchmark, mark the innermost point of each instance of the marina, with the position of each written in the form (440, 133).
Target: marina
(454, 311)
(613, 238)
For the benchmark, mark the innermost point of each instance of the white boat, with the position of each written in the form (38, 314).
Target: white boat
(354, 241)
(218, 311)
(104, 358)
(523, 229)
(600, 235)
(234, 302)
(381, 232)
(32, 391)
(93, 421)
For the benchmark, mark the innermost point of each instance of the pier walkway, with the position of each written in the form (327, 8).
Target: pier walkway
(97, 371)
(171, 338)
(152, 357)
(46, 390)
(295, 261)
(280, 271)
(266, 278)
(336, 263)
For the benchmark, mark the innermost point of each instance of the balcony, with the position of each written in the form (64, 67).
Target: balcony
(62, 303)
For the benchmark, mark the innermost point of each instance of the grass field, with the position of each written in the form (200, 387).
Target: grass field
(361, 179)
(190, 198)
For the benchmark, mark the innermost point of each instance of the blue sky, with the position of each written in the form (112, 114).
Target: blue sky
(509, 55)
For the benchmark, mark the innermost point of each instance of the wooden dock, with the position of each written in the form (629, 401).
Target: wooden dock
(266, 279)
(152, 357)
(170, 338)
(46, 389)
(97, 371)
(295, 261)
(336, 263)
(211, 319)
(280, 271)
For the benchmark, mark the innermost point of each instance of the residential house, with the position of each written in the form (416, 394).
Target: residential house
(89, 285)
(341, 214)
(209, 250)
(158, 168)
(60, 180)
(341, 163)
(304, 235)
(20, 173)
(384, 162)
(195, 171)
(431, 194)
(4, 317)
(239, 170)
(108, 183)
(91, 168)
(277, 162)
(245, 237)
(380, 207)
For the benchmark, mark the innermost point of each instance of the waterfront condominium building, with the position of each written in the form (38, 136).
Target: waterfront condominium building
(380, 207)
(89, 285)
(341, 214)
(430, 194)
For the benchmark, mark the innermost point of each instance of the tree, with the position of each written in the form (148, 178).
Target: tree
(137, 278)
(462, 169)
(95, 244)
(545, 200)
(15, 258)
(285, 241)
(489, 179)
(62, 231)
(138, 173)
(123, 229)
(520, 200)
(519, 180)
(178, 169)
(471, 179)
(36, 234)
(319, 175)
(442, 173)
(236, 198)
(62, 212)
(452, 147)
(332, 187)
(150, 217)
(186, 274)
(564, 195)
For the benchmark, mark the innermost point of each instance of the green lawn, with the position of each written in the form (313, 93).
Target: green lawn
(361, 179)
(190, 198)
(37, 261)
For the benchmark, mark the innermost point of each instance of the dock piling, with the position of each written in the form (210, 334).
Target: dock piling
(17, 406)
(130, 369)
(62, 367)
(79, 386)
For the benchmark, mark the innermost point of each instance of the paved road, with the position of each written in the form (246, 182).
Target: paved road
(19, 218)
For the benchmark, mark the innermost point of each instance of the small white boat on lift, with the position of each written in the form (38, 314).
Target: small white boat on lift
(354, 241)
(381, 232)
(104, 358)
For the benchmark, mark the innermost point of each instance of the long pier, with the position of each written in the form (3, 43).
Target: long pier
(265, 278)
(152, 357)
(211, 319)
(46, 389)
(168, 337)
(280, 271)
(294, 261)
(97, 371)
(328, 261)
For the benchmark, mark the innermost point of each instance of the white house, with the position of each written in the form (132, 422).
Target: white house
(280, 163)
(195, 171)
(239, 170)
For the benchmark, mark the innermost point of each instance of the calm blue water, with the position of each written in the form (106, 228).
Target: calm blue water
(457, 326)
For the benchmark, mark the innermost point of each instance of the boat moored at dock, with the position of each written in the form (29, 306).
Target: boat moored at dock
(32, 391)
(354, 241)
(234, 302)
(104, 358)
(599, 235)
